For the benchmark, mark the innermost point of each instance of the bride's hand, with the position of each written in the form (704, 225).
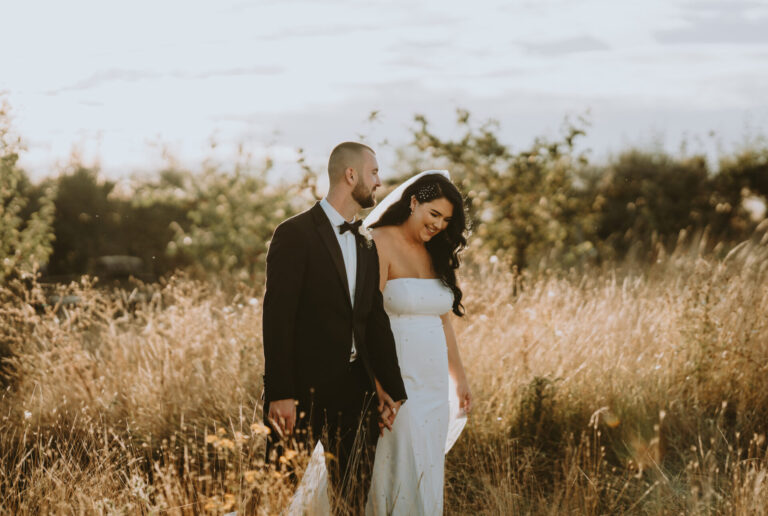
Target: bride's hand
(387, 407)
(384, 416)
(464, 395)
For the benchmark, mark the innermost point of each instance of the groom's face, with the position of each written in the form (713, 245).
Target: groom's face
(367, 181)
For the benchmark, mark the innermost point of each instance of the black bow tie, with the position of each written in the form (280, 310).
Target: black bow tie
(354, 227)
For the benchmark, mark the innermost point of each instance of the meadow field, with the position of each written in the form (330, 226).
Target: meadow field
(632, 389)
(623, 371)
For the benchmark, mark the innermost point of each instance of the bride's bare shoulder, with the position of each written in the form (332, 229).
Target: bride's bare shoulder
(383, 237)
(383, 233)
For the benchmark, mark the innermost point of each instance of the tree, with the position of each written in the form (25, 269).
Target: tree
(742, 176)
(87, 221)
(525, 205)
(645, 196)
(230, 219)
(25, 241)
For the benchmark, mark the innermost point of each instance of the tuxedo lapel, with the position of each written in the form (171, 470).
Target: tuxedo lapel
(362, 262)
(323, 226)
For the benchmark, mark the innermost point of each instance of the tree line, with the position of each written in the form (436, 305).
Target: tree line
(545, 204)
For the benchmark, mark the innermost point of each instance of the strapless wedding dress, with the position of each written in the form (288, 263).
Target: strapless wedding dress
(408, 471)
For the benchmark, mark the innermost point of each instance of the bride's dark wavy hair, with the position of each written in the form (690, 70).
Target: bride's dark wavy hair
(445, 247)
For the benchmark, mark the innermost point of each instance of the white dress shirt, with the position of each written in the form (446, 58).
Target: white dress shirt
(348, 247)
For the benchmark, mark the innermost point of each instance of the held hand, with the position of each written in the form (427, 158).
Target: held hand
(384, 416)
(387, 416)
(282, 415)
(464, 395)
(394, 410)
(388, 408)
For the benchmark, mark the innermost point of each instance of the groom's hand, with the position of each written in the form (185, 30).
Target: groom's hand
(282, 415)
(388, 408)
(387, 416)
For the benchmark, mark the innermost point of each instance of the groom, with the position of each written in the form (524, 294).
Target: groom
(329, 353)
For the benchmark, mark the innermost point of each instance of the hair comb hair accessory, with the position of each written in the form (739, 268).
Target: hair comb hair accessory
(396, 194)
(428, 193)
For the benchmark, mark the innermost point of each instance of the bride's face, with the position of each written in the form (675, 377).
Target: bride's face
(430, 218)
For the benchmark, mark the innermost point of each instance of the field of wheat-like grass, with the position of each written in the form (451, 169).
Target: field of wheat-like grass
(632, 389)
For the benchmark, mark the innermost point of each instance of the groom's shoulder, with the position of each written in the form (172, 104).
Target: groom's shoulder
(299, 222)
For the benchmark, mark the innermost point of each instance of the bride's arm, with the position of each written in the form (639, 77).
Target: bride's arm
(455, 367)
(383, 259)
(382, 347)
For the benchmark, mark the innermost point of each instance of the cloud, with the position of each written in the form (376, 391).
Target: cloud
(392, 17)
(718, 22)
(124, 75)
(245, 118)
(723, 6)
(504, 72)
(409, 46)
(567, 46)
(429, 19)
(106, 76)
(409, 61)
(230, 72)
(249, 5)
(319, 31)
(717, 31)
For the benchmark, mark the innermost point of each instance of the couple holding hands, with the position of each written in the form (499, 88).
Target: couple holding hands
(361, 360)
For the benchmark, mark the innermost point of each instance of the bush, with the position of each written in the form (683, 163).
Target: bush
(229, 217)
(548, 206)
(525, 205)
(25, 239)
(214, 221)
(646, 196)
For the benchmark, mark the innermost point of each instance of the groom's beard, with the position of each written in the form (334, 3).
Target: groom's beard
(363, 196)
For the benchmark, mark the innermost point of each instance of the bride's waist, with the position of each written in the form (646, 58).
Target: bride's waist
(415, 320)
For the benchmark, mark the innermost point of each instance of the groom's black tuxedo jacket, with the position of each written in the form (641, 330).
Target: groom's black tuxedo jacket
(308, 319)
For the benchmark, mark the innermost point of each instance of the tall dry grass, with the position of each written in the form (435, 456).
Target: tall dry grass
(622, 390)
(619, 391)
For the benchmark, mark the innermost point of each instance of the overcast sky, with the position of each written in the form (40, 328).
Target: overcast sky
(120, 82)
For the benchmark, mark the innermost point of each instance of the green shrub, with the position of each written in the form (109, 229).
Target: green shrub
(25, 239)
(525, 205)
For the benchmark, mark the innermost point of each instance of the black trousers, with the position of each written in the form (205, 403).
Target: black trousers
(345, 419)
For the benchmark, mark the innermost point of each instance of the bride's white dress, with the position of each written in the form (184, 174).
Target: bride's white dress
(408, 471)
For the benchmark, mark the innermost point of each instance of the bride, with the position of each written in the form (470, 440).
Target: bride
(419, 231)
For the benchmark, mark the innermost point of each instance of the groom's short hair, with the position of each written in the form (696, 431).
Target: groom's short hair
(345, 155)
